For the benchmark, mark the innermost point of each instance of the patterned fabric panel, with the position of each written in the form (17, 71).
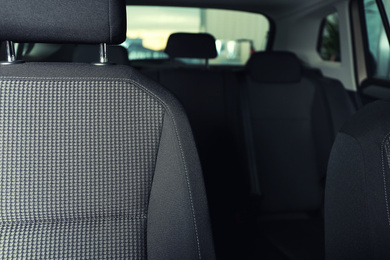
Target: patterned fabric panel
(386, 173)
(77, 160)
(116, 238)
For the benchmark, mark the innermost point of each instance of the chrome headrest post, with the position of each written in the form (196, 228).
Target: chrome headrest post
(10, 49)
(10, 52)
(103, 53)
(103, 60)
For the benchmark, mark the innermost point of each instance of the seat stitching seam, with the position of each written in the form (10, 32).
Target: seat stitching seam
(184, 164)
(188, 187)
(73, 220)
(383, 149)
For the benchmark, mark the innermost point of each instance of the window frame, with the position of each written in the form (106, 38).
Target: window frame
(370, 79)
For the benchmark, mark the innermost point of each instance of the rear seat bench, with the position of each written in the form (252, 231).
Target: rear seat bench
(210, 99)
(278, 114)
(292, 116)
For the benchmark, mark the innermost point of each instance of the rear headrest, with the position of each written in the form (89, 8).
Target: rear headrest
(274, 67)
(63, 21)
(191, 45)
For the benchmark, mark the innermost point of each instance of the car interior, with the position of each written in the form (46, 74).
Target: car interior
(198, 129)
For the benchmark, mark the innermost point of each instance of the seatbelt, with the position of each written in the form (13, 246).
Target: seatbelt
(248, 135)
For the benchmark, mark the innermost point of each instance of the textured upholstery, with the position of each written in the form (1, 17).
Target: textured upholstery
(357, 218)
(210, 100)
(97, 162)
(294, 116)
(282, 121)
(70, 156)
(191, 45)
(56, 21)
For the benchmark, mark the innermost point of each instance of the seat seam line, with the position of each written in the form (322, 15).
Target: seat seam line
(188, 188)
(384, 149)
(73, 220)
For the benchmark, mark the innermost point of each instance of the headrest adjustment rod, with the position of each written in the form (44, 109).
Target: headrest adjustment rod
(10, 51)
(103, 60)
(103, 53)
(9, 46)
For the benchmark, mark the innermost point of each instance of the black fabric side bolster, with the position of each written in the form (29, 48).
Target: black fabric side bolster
(175, 185)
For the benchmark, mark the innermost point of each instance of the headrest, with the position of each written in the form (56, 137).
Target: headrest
(63, 21)
(191, 45)
(274, 67)
(90, 53)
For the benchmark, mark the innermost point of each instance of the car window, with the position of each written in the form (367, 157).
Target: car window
(238, 34)
(329, 40)
(378, 51)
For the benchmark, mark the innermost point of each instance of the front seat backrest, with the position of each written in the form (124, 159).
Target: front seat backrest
(96, 161)
(357, 220)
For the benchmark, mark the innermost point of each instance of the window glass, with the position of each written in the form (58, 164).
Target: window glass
(329, 46)
(377, 58)
(237, 34)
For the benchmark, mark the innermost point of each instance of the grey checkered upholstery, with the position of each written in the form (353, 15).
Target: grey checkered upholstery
(72, 152)
(84, 168)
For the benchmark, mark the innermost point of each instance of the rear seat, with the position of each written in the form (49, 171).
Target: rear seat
(293, 117)
(210, 100)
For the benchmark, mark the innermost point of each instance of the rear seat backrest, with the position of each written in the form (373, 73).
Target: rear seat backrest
(211, 105)
(204, 94)
(292, 132)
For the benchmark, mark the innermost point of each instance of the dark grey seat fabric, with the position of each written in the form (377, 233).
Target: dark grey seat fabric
(357, 218)
(292, 115)
(281, 105)
(97, 162)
